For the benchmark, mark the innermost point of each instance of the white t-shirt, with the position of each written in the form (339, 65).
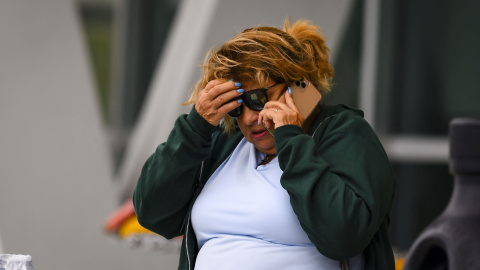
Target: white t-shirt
(243, 220)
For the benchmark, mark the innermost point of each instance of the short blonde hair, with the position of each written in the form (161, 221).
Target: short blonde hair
(266, 53)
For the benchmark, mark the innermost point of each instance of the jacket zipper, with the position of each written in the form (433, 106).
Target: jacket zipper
(200, 185)
(186, 243)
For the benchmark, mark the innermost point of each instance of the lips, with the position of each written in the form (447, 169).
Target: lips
(258, 134)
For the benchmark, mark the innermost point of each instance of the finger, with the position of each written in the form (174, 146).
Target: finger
(268, 123)
(218, 89)
(212, 90)
(229, 96)
(281, 114)
(260, 117)
(264, 116)
(289, 101)
(276, 105)
(214, 115)
(227, 107)
(267, 115)
(211, 84)
(213, 95)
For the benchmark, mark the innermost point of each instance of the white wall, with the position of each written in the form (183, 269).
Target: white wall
(55, 171)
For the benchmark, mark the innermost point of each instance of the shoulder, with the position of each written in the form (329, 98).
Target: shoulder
(339, 119)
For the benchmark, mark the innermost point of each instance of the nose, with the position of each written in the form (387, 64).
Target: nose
(249, 116)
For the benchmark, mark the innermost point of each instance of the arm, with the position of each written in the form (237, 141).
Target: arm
(340, 183)
(167, 181)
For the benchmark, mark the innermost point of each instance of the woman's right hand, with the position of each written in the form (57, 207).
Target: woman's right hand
(216, 100)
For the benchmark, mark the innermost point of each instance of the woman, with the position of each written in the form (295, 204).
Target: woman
(269, 188)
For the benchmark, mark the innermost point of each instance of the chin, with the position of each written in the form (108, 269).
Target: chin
(265, 145)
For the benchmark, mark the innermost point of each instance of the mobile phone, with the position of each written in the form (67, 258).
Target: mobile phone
(306, 96)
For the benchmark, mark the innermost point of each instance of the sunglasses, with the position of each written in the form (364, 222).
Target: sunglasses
(254, 99)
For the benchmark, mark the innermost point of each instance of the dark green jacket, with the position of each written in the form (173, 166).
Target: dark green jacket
(338, 176)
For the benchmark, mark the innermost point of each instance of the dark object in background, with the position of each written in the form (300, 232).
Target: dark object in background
(452, 241)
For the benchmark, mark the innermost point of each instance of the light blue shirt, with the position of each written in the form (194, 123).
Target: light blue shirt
(243, 220)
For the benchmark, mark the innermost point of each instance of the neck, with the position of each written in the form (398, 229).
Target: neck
(267, 159)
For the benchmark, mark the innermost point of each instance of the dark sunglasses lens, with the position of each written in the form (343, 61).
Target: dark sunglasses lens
(256, 99)
(235, 112)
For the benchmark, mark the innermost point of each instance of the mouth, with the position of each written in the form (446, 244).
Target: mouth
(258, 134)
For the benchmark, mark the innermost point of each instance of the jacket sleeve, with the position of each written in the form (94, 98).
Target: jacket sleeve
(168, 178)
(340, 183)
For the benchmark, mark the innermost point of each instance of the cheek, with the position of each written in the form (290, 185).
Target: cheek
(241, 121)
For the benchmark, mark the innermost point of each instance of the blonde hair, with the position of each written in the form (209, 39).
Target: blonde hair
(266, 53)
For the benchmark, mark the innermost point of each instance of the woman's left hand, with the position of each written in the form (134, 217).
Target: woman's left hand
(278, 113)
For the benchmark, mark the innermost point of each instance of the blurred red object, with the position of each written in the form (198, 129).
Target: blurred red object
(115, 220)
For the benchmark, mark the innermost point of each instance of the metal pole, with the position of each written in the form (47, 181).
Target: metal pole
(368, 72)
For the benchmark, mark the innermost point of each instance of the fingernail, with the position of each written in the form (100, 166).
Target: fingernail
(258, 122)
(240, 100)
(240, 90)
(289, 90)
(237, 84)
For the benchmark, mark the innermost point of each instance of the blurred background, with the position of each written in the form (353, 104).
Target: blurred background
(88, 88)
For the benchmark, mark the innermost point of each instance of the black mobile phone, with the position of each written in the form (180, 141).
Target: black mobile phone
(306, 96)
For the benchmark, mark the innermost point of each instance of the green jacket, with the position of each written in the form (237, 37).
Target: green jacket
(338, 176)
